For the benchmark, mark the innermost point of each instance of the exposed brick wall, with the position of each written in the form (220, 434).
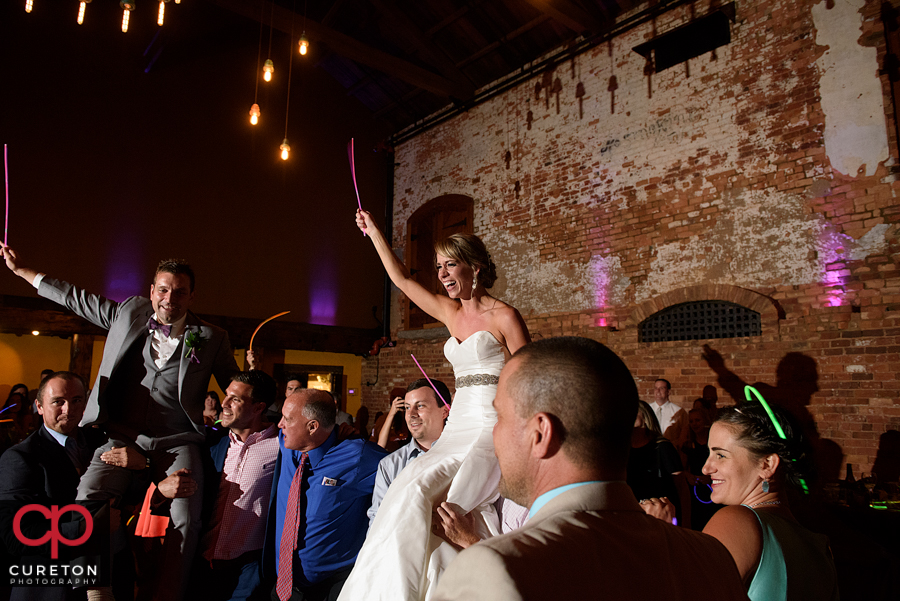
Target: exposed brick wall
(720, 181)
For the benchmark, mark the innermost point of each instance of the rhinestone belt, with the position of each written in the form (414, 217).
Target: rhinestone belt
(477, 380)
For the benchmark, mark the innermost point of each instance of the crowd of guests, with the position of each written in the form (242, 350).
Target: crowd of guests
(264, 496)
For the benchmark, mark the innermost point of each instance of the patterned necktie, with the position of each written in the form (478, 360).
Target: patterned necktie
(73, 450)
(166, 329)
(285, 584)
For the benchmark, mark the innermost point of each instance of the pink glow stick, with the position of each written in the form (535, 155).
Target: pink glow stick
(353, 173)
(6, 180)
(446, 404)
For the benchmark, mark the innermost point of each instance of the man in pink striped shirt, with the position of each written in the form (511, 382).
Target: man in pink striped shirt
(232, 544)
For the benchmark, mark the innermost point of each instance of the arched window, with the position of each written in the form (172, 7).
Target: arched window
(435, 220)
(700, 320)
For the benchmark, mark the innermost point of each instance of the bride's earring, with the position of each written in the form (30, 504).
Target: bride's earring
(475, 281)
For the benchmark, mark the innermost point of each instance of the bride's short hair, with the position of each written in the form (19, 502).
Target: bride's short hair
(469, 249)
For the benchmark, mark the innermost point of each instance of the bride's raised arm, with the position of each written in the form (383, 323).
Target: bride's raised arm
(436, 305)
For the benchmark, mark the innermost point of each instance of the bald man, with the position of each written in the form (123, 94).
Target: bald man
(313, 549)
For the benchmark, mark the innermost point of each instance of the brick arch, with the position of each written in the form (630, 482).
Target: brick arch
(768, 308)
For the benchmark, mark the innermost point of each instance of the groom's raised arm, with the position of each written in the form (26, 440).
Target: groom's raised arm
(98, 310)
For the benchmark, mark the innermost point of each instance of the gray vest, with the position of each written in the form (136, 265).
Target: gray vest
(144, 400)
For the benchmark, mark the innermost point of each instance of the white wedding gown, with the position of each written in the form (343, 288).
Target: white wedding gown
(401, 559)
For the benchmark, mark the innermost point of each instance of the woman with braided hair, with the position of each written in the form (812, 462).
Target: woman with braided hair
(754, 457)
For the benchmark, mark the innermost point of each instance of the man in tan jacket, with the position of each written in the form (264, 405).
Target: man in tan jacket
(565, 411)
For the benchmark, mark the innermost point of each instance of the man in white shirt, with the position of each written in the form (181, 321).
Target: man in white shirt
(425, 414)
(673, 420)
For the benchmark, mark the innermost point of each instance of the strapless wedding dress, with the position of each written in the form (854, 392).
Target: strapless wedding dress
(401, 559)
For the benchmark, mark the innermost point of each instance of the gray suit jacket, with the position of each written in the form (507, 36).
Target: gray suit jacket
(126, 321)
(594, 542)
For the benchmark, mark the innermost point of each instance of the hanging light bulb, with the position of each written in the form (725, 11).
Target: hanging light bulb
(254, 114)
(285, 150)
(29, 4)
(304, 44)
(81, 6)
(162, 13)
(268, 69)
(127, 7)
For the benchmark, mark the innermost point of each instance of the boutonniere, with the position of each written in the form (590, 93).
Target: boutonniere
(193, 342)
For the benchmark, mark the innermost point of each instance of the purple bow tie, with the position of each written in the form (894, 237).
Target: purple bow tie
(166, 330)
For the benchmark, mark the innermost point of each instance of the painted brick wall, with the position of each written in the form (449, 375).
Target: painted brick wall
(763, 173)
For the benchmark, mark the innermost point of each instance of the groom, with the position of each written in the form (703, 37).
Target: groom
(157, 363)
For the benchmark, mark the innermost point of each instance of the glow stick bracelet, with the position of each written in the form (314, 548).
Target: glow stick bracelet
(262, 324)
(446, 404)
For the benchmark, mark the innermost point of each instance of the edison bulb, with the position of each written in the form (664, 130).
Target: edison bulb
(81, 7)
(125, 14)
(254, 114)
(268, 69)
(162, 13)
(28, 5)
(304, 44)
(285, 150)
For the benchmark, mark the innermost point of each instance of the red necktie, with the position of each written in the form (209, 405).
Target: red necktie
(285, 584)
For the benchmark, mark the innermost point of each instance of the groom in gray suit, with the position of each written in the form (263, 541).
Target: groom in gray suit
(148, 396)
(565, 412)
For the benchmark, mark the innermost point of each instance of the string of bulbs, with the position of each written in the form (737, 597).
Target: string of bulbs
(268, 69)
(127, 7)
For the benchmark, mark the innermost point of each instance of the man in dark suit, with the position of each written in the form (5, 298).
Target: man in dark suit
(45, 468)
(565, 412)
(157, 363)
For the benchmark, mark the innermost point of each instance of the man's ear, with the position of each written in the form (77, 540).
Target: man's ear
(544, 434)
(312, 425)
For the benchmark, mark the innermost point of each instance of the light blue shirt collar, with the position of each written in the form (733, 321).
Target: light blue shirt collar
(60, 438)
(550, 494)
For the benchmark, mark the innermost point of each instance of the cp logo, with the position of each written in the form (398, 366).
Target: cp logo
(53, 514)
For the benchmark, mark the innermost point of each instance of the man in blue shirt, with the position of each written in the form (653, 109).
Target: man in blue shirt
(317, 519)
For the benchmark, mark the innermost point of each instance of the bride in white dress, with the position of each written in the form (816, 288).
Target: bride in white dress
(401, 558)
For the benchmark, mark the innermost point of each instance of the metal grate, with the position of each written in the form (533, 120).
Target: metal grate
(700, 320)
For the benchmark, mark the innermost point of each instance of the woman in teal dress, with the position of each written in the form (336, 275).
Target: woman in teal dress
(751, 466)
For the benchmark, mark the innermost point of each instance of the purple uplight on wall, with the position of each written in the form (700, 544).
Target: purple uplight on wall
(126, 272)
(323, 294)
(831, 257)
(600, 275)
(322, 306)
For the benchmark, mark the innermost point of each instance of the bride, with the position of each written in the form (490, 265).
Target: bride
(401, 558)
